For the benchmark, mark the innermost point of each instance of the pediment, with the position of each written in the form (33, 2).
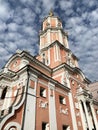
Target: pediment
(16, 62)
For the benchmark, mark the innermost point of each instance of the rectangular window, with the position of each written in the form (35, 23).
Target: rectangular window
(43, 57)
(4, 92)
(42, 92)
(65, 127)
(45, 126)
(62, 100)
(10, 109)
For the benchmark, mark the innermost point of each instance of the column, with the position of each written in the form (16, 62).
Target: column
(48, 37)
(87, 116)
(94, 116)
(60, 37)
(49, 57)
(82, 116)
(52, 107)
(71, 102)
(49, 32)
(30, 110)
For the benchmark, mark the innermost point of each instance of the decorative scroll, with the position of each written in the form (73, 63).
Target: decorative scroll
(43, 104)
(64, 111)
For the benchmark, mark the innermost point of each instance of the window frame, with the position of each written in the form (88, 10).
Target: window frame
(43, 92)
(45, 125)
(66, 126)
(62, 100)
(4, 92)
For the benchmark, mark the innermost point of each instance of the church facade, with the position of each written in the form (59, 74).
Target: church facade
(49, 91)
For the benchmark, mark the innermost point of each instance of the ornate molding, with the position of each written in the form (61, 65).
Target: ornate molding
(43, 104)
(12, 126)
(64, 111)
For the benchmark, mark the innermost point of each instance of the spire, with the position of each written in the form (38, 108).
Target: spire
(51, 13)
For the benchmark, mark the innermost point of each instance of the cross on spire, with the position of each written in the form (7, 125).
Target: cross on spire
(51, 13)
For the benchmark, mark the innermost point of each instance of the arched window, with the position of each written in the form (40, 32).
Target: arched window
(4, 93)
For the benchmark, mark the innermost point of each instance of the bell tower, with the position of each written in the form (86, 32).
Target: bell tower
(54, 47)
(51, 31)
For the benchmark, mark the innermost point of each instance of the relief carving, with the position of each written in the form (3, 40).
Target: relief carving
(64, 111)
(43, 104)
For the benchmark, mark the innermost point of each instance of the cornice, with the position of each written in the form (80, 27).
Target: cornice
(61, 45)
(8, 76)
(95, 101)
(53, 16)
(29, 57)
(63, 65)
(32, 58)
(54, 29)
(72, 70)
(40, 74)
(78, 70)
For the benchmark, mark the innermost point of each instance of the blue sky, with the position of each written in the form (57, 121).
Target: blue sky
(20, 22)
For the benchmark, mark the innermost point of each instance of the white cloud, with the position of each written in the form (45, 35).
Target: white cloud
(2, 26)
(66, 4)
(4, 9)
(12, 27)
(90, 3)
(48, 4)
(83, 36)
(3, 51)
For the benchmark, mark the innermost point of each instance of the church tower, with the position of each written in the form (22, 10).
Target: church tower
(51, 31)
(49, 91)
(54, 47)
(55, 53)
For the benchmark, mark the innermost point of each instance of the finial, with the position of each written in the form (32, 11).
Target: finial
(51, 13)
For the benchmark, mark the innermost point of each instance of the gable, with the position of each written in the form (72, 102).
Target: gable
(16, 62)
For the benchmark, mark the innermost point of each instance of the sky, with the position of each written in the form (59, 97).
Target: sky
(20, 23)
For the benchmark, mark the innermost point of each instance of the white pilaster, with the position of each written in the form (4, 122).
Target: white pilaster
(8, 103)
(30, 110)
(49, 20)
(1, 90)
(52, 108)
(71, 104)
(48, 37)
(94, 116)
(67, 45)
(60, 37)
(56, 51)
(87, 116)
(56, 22)
(41, 42)
(49, 56)
(82, 116)
(7, 100)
